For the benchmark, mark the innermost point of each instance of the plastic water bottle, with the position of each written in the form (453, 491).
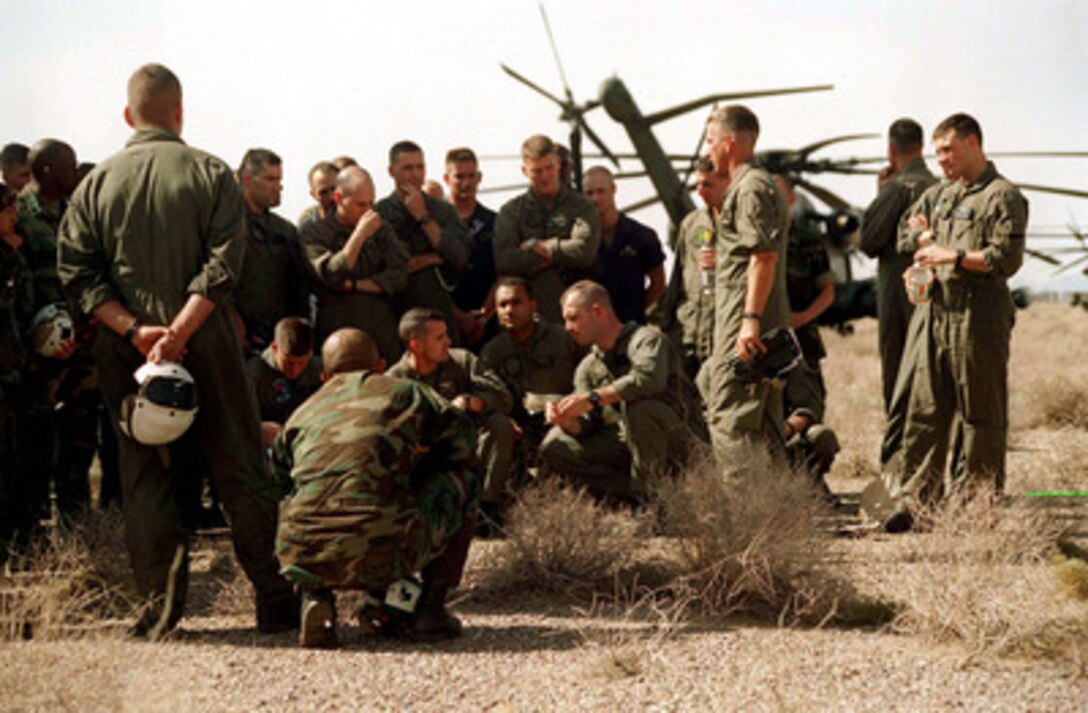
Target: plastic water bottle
(919, 283)
(707, 240)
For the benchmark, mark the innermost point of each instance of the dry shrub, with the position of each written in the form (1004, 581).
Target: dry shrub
(1072, 576)
(751, 541)
(1059, 402)
(75, 576)
(560, 538)
(980, 576)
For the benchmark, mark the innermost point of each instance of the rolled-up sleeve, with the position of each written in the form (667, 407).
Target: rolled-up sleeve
(759, 225)
(1008, 220)
(649, 374)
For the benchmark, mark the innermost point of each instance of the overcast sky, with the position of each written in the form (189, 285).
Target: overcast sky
(353, 77)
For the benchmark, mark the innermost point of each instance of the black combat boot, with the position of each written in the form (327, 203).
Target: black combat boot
(433, 622)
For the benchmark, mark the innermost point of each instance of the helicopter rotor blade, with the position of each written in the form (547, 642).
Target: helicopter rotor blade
(1038, 255)
(684, 108)
(503, 189)
(534, 86)
(555, 52)
(828, 197)
(812, 148)
(1071, 265)
(598, 142)
(1053, 189)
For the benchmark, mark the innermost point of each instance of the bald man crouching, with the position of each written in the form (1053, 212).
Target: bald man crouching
(382, 486)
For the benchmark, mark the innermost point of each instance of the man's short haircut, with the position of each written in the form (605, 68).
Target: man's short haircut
(321, 167)
(347, 350)
(413, 325)
(536, 147)
(348, 180)
(402, 147)
(704, 165)
(342, 162)
(735, 119)
(14, 155)
(460, 154)
(521, 282)
(587, 293)
(600, 171)
(906, 135)
(963, 124)
(154, 93)
(255, 160)
(47, 152)
(294, 336)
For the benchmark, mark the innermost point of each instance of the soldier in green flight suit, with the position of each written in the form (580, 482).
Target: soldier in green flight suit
(60, 424)
(16, 510)
(970, 229)
(549, 235)
(381, 485)
(273, 283)
(630, 419)
(750, 288)
(151, 245)
(899, 185)
(436, 239)
(459, 376)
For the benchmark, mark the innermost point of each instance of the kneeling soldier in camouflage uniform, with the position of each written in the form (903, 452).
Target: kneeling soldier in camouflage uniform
(633, 413)
(381, 487)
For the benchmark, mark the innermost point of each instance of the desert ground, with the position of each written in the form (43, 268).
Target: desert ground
(778, 606)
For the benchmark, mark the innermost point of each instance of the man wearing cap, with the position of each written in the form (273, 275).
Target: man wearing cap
(151, 245)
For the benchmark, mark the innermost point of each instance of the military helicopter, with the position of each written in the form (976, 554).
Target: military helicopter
(670, 173)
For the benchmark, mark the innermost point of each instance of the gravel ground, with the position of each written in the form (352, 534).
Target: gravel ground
(527, 662)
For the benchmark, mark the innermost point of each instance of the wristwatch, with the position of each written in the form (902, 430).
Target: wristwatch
(595, 400)
(960, 254)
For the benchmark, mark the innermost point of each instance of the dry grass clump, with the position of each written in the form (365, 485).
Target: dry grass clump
(74, 576)
(751, 541)
(1058, 402)
(1072, 577)
(981, 577)
(560, 538)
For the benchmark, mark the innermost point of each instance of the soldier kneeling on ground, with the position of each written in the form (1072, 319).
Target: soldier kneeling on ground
(382, 486)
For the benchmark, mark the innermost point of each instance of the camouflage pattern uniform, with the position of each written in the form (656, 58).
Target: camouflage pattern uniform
(463, 374)
(272, 285)
(380, 479)
(383, 258)
(430, 287)
(879, 227)
(689, 311)
(278, 396)
(62, 404)
(963, 343)
(624, 447)
(148, 227)
(568, 218)
(753, 219)
(15, 507)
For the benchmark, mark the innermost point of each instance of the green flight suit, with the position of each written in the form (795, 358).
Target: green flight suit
(879, 228)
(278, 396)
(623, 448)
(16, 519)
(380, 480)
(273, 282)
(689, 304)
(963, 350)
(59, 428)
(753, 218)
(383, 259)
(431, 287)
(463, 374)
(808, 271)
(148, 227)
(571, 225)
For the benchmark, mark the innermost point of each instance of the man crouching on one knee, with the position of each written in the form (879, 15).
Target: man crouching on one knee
(382, 486)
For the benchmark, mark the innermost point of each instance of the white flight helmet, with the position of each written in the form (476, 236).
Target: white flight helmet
(163, 408)
(51, 329)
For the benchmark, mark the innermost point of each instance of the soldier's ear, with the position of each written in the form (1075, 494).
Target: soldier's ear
(379, 366)
(128, 117)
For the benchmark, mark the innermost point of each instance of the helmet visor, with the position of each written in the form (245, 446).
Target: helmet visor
(170, 393)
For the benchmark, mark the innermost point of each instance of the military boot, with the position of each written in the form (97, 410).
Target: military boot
(318, 620)
(433, 622)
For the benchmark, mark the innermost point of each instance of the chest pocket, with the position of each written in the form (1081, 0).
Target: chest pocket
(967, 228)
